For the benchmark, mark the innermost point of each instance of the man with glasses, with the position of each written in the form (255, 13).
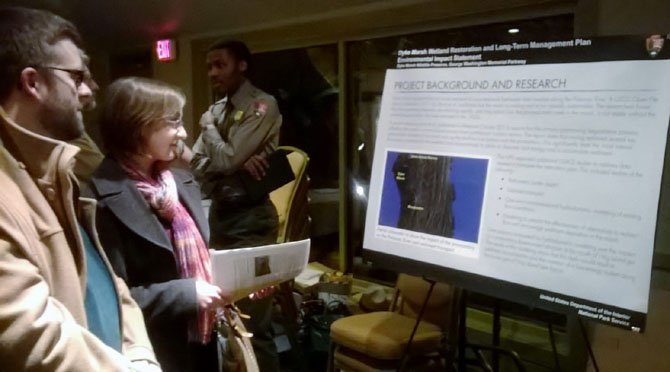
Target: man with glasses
(89, 156)
(76, 75)
(61, 306)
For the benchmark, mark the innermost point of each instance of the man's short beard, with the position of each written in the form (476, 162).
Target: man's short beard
(61, 124)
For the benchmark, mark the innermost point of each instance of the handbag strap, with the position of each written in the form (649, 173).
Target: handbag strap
(239, 339)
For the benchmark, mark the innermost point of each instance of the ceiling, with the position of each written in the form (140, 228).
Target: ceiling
(136, 21)
(133, 22)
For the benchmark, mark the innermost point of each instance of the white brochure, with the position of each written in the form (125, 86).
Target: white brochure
(246, 270)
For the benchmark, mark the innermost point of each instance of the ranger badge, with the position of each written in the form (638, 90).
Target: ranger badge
(260, 108)
(238, 115)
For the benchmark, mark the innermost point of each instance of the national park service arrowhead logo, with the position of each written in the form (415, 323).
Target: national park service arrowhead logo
(260, 108)
(654, 45)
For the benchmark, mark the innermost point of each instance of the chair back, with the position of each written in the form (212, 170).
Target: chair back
(412, 291)
(291, 200)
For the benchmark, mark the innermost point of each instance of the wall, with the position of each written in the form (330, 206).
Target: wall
(621, 17)
(381, 18)
(616, 350)
(633, 17)
(377, 19)
(178, 73)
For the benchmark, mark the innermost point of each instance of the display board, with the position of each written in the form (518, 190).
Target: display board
(527, 171)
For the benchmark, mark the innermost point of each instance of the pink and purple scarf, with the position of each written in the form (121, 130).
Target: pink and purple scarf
(190, 249)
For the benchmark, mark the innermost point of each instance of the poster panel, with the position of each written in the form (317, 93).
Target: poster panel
(529, 171)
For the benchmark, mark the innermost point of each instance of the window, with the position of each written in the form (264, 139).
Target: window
(304, 82)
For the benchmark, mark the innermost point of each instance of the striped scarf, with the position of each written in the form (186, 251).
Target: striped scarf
(189, 248)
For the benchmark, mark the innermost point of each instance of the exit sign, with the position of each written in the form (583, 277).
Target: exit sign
(166, 50)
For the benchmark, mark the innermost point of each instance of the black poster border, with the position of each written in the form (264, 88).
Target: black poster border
(612, 48)
(578, 50)
(514, 292)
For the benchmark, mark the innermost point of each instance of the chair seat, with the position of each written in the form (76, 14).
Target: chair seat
(384, 334)
(350, 360)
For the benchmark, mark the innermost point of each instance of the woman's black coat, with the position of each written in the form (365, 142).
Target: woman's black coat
(140, 252)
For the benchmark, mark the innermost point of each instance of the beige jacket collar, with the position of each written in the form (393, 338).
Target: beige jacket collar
(42, 156)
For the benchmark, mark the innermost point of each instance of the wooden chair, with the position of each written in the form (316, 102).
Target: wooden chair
(378, 341)
(291, 202)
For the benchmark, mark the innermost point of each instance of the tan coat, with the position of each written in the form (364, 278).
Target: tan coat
(43, 266)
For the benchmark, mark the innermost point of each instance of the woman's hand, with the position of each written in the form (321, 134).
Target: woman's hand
(210, 297)
(263, 293)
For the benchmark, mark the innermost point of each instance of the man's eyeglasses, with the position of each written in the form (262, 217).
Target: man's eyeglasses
(76, 75)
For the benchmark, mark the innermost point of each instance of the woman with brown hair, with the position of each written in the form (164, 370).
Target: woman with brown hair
(152, 225)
